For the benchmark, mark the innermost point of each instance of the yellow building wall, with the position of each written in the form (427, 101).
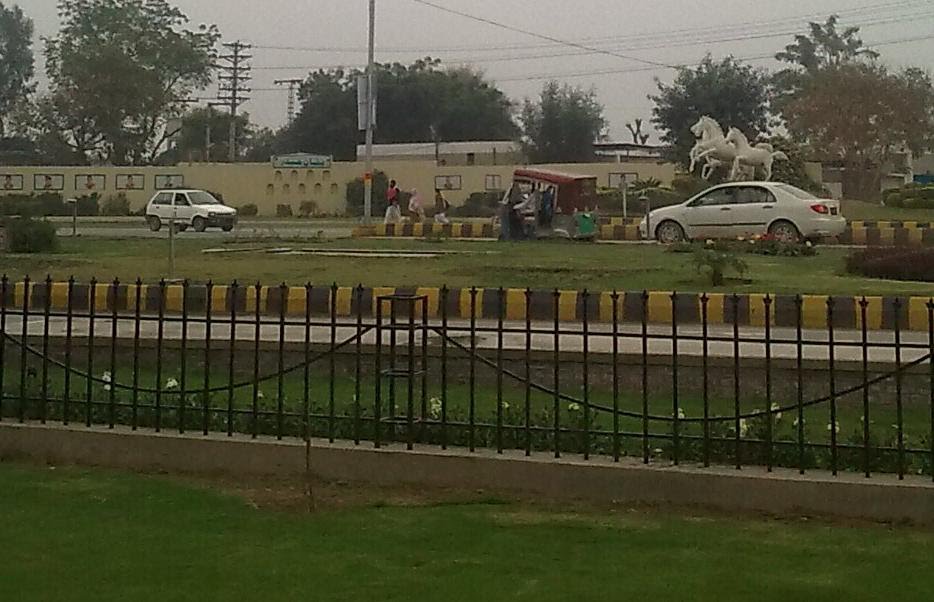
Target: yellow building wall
(267, 187)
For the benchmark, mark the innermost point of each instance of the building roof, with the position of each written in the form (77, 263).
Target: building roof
(421, 149)
(554, 177)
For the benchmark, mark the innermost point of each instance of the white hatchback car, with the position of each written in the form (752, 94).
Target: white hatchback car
(742, 209)
(196, 209)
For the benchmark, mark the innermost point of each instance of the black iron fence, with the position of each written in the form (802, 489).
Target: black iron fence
(428, 370)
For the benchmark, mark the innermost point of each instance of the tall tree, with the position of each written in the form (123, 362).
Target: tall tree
(824, 46)
(563, 125)
(734, 94)
(16, 59)
(192, 138)
(422, 102)
(327, 122)
(862, 115)
(119, 70)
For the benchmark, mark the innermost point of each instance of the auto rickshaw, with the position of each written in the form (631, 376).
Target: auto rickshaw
(549, 204)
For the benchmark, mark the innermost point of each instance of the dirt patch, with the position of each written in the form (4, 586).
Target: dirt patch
(289, 495)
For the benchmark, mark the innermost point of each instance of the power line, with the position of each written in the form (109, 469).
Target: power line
(874, 10)
(758, 57)
(678, 44)
(539, 35)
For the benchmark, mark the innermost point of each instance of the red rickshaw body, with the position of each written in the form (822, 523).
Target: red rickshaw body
(575, 192)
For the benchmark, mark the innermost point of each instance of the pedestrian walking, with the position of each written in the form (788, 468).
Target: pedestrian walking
(441, 208)
(416, 207)
(393, 213)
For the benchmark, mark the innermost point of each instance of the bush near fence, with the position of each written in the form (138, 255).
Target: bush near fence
(893, 263)
(116, 205)
(478, 204)
(28, 235)
(42, 204)
(912, 196)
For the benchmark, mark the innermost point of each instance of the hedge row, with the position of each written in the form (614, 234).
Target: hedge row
(893, 263)
(912, 196)
(48, 204)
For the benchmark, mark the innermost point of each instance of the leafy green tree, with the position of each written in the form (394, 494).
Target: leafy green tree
(735, 94)
(327, 122)
(863, 116)
(562, 126)
(191, 139)
(261, 144)
(16, 59)
(824, 46)
(422, 102)
(119, 70)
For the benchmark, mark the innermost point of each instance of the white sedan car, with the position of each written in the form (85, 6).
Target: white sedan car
(742, 209)
(196, 209)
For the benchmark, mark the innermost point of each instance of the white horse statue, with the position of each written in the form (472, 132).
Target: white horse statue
(707, 131)
(712, 147)
(762, 155)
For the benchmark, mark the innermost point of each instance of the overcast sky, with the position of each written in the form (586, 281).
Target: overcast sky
(669, 32)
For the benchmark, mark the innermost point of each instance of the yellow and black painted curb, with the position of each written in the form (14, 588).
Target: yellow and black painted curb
(882, 313)
(627, 229)
(461, 230)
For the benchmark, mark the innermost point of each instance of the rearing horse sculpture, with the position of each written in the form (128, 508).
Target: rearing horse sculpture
(762, 155)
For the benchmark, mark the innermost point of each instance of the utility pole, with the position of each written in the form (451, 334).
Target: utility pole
(293, 85)
(207, 130)
(233, 89)
(370, 116)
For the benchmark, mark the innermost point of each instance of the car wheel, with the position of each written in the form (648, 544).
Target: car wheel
(669, 233)
(227, 228)
(155, 224)
(199, 224)
(785, 231)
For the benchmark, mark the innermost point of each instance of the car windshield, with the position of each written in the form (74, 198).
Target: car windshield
(199, 197)
(796, 192)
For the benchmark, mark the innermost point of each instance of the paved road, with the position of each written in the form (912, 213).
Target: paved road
(914, 345)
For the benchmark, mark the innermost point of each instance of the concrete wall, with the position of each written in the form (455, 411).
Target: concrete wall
(781, 492)
(268, 187)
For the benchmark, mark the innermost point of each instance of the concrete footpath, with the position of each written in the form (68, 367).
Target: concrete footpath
(600, 341)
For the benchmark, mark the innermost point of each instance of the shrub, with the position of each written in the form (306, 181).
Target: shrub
(764, 245)
(478, 204)
(910, 196)
(893, 263)
(89, 205)
(716, 262)
(689, 186)
(356, 191)
(283, 211)
(116, 205)
(248, 210)
(610, 201)
(28, 235)
(43, 204)
(308, 209)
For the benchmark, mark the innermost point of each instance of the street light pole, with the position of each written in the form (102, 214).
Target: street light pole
(370, 111)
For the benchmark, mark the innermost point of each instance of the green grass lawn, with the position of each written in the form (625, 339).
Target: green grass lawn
(79, 534)
(865, 211)
(542, 265)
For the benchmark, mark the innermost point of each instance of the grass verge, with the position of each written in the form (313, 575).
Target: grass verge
(543, 265)
(77, 534)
